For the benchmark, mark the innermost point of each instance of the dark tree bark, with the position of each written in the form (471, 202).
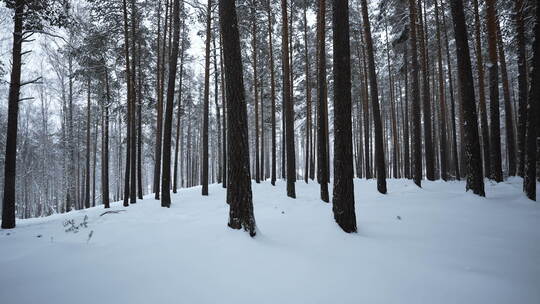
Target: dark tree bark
(379, 148)
(105, 146)
(129, 110)
(452, 100)
(272, 92)
(159, 90)
(475, 181)
(415, 100)
(481, 91)
(206, 103)
(134, 105)
(87, 179)
(522, 83)
(442, 140)
(224, 124)
(508, 116)
(426, 102)
(406, 123)
(322, 110)
(10, 162)
(239, 194)
(529, 181)
(493, 69)
(343, 192)
(255, 90)
(308, 100)
(167, 130)
(288, 105)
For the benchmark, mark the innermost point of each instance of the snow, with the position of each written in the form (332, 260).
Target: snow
(448, 247)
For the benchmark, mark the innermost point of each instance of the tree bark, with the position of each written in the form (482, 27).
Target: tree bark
(379, 148)
(10, 162)
(167, 130)
(529, 180)
(239, 194)
(289, 106)
(493, 69)
(206, 103)
(475, 180)
(322, 110)
(343, 192)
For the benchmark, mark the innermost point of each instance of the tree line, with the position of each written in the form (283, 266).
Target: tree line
(125, 104)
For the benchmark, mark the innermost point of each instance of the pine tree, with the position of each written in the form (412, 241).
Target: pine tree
(167, 129)
(239, 194)
(343, 192)
(475, 180)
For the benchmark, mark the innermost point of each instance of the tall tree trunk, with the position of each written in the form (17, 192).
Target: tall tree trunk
(308, 99)
(272, 92)
(160, 88)
(343, 192)
(218, 112)
(105, 147)
(239, 194)
(493, 69)
(167, 130)
(206, 104)
(322, 110)
(475, 180)
(426, 103)
(406, 147)
(129, 109)
(416, 133)
(179, 112)
(87, 180)
(522, 83)
(224, 129)
(379, 148)
(289, 107)
(134, 105)
(508, 116)
(452, 100)
(10, 162)
(255, 90)
(529, 181)
(442, 101)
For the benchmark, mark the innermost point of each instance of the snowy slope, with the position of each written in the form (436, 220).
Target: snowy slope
(448, 247)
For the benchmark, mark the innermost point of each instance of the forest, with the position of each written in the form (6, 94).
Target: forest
(112, 108)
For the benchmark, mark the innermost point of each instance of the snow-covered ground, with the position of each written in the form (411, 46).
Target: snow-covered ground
(447, 247)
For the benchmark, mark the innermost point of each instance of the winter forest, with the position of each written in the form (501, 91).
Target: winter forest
(383, 151)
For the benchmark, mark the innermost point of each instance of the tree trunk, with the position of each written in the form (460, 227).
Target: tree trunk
(167, 130)
(522, 83)
(508, 116)
(239, 194)
(322, 110)
(379, 148)
(179, 112)
(87, 180)
(529, 181)
(416, 133)
(105, 147)
(426, 103)
(10, 163)
(129, 110)
(475, 180)
(206, 104)
(255, 90)
(442, 102)
(343, 192)
(288, 105)
(493, 69)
